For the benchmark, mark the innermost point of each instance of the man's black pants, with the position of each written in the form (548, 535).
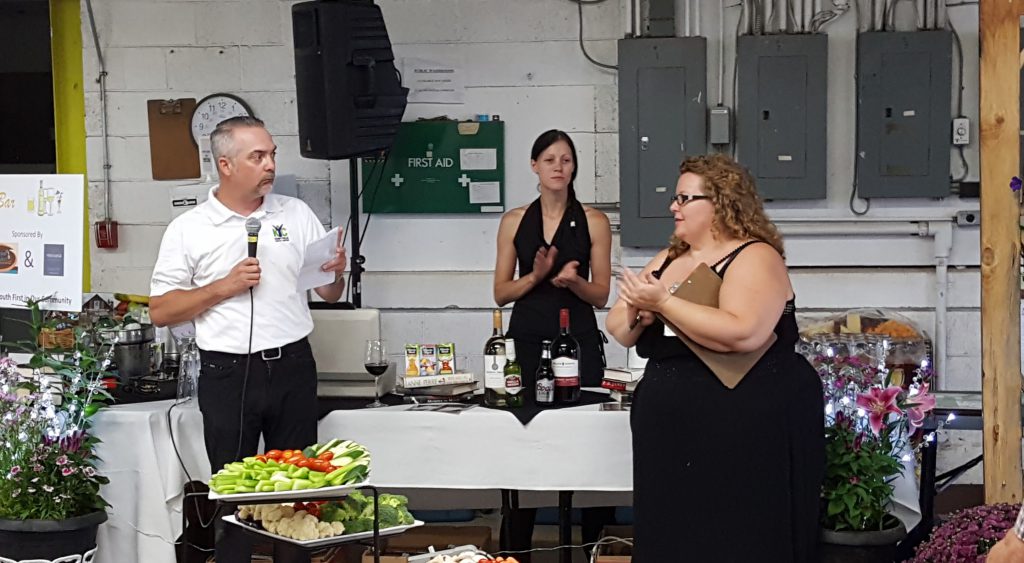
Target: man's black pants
(280, 402)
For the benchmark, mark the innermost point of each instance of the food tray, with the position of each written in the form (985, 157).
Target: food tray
(286, 496)
(324, 542)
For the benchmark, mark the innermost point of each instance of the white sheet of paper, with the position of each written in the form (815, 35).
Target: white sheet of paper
(478, 159)
(435, 82)
(318, 252)
(484, 192)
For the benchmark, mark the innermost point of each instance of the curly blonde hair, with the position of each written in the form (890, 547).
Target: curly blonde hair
(739, 212)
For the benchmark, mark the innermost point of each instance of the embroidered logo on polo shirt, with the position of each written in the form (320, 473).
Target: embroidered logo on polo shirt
(280, 233)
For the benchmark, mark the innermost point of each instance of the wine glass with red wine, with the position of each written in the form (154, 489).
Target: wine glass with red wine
(376, 363)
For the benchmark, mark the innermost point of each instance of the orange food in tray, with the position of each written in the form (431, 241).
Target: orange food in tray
(893, 329)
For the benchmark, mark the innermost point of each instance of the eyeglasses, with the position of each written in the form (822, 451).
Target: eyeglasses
(683, 199)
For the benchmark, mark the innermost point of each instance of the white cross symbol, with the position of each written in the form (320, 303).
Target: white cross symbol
(464, 180)
(397, 180)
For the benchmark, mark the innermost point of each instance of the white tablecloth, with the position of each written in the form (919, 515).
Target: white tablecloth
(581, 449)
(577, 449)
(146, 478)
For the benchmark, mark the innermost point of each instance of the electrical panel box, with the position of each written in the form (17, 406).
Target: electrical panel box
(904, 85)
(662, 120)
(781, 113)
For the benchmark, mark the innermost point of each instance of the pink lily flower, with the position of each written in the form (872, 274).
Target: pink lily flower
(879, 403)
(919, 406)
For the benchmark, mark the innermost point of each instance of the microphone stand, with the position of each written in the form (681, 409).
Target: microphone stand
(356, 263)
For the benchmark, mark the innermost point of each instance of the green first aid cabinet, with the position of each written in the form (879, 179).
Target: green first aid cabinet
(439, 167)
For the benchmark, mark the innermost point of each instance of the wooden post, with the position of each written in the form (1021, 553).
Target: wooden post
(999, 30)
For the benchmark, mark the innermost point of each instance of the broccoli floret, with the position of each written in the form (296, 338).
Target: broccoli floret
(389, 515)
(405, 516)
(358, 525)
(335, 512)
(397, 501)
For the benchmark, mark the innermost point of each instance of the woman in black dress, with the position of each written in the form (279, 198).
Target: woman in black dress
(723, 475)
(563, 252)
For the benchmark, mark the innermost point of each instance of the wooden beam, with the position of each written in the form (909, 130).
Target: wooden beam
(999, 31)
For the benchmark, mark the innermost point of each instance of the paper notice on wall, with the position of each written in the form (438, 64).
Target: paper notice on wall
(478, 159)
(484, 192)
(434, 82)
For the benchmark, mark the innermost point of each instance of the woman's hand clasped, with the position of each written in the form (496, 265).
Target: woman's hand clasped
(544, 261)
(642, 293)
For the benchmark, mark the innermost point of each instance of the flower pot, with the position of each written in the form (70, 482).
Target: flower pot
(50, 539)
(873, 546)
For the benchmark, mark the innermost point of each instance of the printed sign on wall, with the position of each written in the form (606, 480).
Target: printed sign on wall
(41, 223)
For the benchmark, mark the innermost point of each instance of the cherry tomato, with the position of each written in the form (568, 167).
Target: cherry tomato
(299, 506)
(262, 458)
(313, 509)
(274, 454)
(326, 456)
(302, 462)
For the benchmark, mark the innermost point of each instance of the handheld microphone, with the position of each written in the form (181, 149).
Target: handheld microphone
(252, 230)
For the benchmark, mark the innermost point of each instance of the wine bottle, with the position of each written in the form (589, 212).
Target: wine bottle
(494, 365)
(545, 377)
(565, 363)
(513, 376)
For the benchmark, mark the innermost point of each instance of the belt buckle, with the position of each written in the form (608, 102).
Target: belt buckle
(268, 354)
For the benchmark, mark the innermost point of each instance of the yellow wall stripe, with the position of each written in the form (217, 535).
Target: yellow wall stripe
(69, 103)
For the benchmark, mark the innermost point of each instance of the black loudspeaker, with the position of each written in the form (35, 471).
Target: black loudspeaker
(349, 96)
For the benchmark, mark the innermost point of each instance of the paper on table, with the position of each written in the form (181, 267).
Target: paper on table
(317, 253)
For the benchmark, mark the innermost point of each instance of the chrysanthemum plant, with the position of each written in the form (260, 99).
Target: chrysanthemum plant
(47, 455)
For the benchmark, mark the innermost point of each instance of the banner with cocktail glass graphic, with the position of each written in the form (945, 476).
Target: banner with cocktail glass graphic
(41, 240)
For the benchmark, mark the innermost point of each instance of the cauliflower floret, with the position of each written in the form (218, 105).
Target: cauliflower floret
(287, 511)
(323, 530)
(272, 513)
(337, 528)
(305, 528)
(245, 511)
(273, 527)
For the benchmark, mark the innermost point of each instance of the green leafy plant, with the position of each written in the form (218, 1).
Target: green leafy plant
(47, 455)
(871, 427)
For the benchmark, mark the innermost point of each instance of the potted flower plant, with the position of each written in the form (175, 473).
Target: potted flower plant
(50, 503)
(871, 426)
(966, 536)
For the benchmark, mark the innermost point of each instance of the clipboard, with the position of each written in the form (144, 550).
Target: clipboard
(702, 287)
(172, 151)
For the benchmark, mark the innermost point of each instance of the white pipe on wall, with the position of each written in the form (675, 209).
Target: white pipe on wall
(696, 19)
(847, 228)
(686, 18)
(943, 247)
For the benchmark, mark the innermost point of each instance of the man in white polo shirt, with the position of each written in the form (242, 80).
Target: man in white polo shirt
(258, 374)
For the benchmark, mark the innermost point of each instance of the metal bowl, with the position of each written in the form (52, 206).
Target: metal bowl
(133, 336)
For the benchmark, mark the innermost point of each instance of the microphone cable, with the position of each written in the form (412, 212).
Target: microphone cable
(245, 378)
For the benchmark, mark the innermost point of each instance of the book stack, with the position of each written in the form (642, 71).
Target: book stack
(622, 383)
(451, 388)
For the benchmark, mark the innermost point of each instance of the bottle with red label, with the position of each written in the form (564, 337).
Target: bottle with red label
(565, 362)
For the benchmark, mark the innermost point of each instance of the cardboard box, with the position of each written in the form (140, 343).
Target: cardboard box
(615, 552)
(396, 549)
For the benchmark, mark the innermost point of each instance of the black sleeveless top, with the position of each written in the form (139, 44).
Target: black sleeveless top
(535, 315)
(653, 344)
